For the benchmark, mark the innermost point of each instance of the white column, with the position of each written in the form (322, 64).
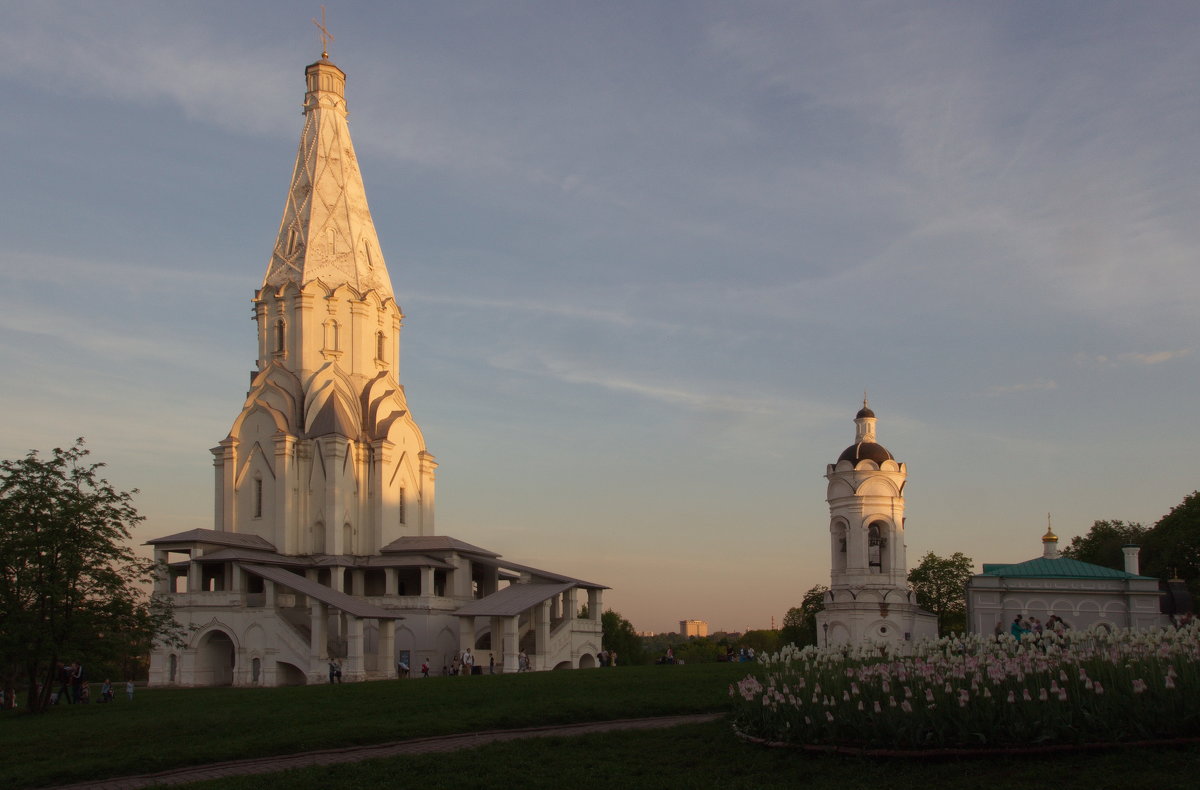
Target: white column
(511, 645)
(354, 648)
(317, 649)
(162, 579)
(541, 622)
(286, 526)
(225, 464)
(387, 645)
(466, 633)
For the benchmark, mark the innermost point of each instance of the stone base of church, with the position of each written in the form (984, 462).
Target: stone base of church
(233, 639)
(898, 625)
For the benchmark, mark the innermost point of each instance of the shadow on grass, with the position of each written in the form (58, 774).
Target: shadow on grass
(709, 755)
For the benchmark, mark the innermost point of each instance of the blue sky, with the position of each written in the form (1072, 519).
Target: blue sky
(650, 256)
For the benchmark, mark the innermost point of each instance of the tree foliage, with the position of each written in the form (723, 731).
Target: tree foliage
(800, 622)
(762, 640)
(1170, 549)
(1102, 543)
(70, 586)
(1173, 545)
(620, 636)
(940, 584)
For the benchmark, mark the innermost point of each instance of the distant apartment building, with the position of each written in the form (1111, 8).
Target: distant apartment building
(693, 628)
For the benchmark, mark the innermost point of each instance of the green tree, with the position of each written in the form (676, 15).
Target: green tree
(1173, 544)
(762, 640)
(941, 587)
(1102, 543)
(800, 622)
(698, 650)
(620, 636)
(70, 586)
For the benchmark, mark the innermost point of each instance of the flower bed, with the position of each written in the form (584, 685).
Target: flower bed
(974, 691)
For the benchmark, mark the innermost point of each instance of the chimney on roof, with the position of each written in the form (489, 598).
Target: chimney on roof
(1131, 558)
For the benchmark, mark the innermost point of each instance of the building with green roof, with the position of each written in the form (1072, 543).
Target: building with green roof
(1080, 593)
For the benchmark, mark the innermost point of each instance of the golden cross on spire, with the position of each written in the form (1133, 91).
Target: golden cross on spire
(326, 36)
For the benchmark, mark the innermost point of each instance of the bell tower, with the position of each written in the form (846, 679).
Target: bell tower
(869, 599)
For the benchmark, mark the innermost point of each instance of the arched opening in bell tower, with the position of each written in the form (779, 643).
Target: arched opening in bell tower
(839, 531)
(876, 543)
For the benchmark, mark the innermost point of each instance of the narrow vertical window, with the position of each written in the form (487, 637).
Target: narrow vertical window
(402, 492)
(258, 497)
(279, 338)
(379, 347)
(874, 545)
(333, 338)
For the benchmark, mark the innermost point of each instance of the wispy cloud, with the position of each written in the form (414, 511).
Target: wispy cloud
(563, 309)
(113, 276)
(1130, 358)
(149, 56)
(1028, 386)
(574, 371)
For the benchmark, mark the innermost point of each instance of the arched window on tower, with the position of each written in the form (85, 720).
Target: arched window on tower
(333, 339)
(839, 545)
(258, 497)
(402, 514)
(380, 347)
(280, 336)
(875, 543)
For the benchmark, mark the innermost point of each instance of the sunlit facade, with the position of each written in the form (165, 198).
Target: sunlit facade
(323, 549)
(869, 600)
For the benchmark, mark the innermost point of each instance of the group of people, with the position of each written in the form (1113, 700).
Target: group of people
(607, 658)
(462, 664)
(1021, 626)
(75, 689)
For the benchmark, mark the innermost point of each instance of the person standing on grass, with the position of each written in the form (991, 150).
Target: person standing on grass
(129, 689)
(492, 664)
(77, 683)
(66, 674)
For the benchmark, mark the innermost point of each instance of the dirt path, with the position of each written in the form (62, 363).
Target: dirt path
(352, 754)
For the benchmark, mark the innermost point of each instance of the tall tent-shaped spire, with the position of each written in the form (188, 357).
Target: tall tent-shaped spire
(327, 232)
(325, 456)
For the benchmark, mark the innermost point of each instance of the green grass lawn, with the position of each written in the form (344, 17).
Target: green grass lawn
(162, 729)
(168, 728)
(709, 756)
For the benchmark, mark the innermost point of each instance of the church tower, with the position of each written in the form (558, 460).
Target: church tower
(869, 600)
(325, 457)
(323, 558)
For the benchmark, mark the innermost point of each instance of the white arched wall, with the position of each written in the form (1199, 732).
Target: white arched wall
(215, 649)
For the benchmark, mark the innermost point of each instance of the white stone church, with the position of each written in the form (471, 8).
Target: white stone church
(323, 547)
(869, 600)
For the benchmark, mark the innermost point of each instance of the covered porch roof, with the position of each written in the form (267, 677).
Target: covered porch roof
(327, 595)
(512, 600)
